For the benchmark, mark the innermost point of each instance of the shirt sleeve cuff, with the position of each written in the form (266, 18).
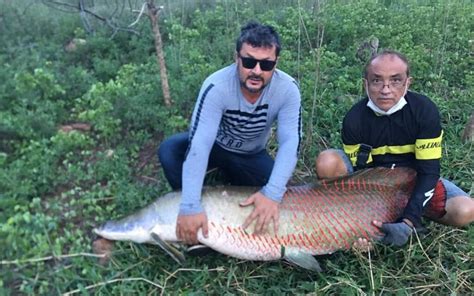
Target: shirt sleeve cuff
(413, 219)
(274, 195)
(190, 209)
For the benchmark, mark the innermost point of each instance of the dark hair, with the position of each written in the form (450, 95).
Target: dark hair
(258, 35)
(387, 52)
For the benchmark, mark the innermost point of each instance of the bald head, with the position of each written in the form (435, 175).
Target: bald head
(387, 54)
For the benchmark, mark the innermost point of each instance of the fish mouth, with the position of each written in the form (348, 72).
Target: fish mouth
(99, 231)
(108, 230)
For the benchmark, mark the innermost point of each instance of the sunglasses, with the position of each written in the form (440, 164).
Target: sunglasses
(250, 63)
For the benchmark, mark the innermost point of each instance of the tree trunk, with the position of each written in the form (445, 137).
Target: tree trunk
(153, 15)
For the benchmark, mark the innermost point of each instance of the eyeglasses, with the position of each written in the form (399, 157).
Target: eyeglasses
(393, 83)
(250, 63)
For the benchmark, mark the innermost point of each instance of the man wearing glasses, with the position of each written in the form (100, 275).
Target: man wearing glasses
(396, 127)
(230, 128)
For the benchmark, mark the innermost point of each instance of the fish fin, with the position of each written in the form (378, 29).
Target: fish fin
(168, 248)
(301, 259)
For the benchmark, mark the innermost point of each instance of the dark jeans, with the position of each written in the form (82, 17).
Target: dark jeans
(239, 169)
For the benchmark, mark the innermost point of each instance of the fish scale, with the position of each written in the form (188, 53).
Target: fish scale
(314, 219)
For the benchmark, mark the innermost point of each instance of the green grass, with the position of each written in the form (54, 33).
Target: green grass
(55, 187)
(441, 265)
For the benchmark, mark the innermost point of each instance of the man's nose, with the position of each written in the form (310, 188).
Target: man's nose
(257, 69)
(386, 89)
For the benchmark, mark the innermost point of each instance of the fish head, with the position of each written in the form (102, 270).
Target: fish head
(137, 226)
(114, 230)
(134, 228)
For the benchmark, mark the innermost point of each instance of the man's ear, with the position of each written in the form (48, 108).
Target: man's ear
(409, 80)
(236, 57)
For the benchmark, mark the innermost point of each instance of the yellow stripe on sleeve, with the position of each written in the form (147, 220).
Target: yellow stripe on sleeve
(351, 151)
(428, 148)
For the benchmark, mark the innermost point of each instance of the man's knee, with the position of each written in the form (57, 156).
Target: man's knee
(459, 211)
(164, 152)
(171, 156)
(465, 211)
(172, 149)
(329, 164)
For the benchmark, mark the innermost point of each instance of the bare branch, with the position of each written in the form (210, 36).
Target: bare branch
(84, 12)
(83, 15)
(139, 16)
(115, 9)
(60, 6)
(77, 8)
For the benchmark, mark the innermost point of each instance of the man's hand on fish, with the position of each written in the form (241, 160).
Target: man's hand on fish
(266, 210)
(396, 234)
(187, 227)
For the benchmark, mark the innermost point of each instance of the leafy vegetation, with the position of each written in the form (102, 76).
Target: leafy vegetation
(57, 181)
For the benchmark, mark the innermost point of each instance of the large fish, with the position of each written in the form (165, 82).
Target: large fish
(314, 219)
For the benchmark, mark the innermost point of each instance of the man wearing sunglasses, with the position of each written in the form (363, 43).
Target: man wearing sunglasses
(396, 127)
(230, 128)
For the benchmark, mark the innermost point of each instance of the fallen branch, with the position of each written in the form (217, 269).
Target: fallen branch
(111, 282)
(56, 257)
(134, 279)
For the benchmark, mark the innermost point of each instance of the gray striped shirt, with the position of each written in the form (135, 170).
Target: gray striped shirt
(222, 115)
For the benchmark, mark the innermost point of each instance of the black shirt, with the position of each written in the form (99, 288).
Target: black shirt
(409, 137)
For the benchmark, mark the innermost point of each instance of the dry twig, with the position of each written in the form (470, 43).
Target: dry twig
(55, 257)
(111, 282)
